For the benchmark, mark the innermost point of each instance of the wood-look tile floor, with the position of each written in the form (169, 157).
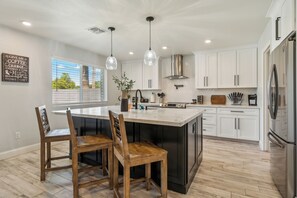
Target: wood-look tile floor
(229, 169)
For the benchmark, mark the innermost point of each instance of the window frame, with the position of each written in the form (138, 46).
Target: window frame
(81, 103)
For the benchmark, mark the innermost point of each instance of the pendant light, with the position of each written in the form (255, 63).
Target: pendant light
(111, 61)
(150, 56)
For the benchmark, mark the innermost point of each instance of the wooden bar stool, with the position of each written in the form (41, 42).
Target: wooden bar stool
(135, 154)
(46, 137)
(88, 143)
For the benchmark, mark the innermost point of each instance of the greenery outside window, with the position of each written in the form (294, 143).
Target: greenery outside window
(77, 83)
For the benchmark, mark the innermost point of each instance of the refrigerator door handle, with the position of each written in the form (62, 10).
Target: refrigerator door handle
(274, 140)
(273, 107)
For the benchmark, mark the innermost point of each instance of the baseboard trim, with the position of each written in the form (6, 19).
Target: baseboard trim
(18, 151)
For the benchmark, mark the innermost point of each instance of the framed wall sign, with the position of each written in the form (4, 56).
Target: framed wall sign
(15, 68)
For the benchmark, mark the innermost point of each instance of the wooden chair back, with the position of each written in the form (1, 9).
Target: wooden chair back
(43, 123)
(119, 136)
(72, 129)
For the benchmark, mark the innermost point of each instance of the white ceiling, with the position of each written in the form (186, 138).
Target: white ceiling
(182, 25)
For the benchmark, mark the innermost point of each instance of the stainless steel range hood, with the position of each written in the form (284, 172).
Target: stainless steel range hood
(177, 67)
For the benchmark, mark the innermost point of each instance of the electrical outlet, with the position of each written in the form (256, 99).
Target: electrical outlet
(17, 135)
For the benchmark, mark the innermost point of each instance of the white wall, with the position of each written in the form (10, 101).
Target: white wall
(17, 100)
(263, 44)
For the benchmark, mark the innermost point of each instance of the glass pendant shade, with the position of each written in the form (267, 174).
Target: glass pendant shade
(111, 63)
(150, 58)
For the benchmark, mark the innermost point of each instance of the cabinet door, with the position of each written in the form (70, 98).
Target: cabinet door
(247, 68)
(200, 71)
(133, 71)
(210, 130)
(192, 145)
(287, 16)
(126, 68)
(211, 70)
(151, 76)
(136, 74)
(227, 69)
(226, 126)
(248, 127)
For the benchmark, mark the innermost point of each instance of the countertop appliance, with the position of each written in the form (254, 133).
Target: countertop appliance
(282, 132)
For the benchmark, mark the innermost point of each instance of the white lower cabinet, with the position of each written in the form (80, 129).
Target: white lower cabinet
(226, 126)
(236, 123)
(248, 128)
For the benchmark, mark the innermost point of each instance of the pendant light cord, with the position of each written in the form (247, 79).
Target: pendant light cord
(111, 43)
(150, 37)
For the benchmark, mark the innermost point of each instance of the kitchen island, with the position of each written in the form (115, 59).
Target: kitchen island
(179, 131)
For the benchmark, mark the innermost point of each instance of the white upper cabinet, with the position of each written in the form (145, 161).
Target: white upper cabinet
(133, 71)
(282, 15)
(247, 68)
(227, 69)
(151, 77)
(206, 70)
(145, 77)
(237, 68)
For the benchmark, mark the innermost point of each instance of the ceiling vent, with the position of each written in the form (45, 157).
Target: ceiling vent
(96, 30)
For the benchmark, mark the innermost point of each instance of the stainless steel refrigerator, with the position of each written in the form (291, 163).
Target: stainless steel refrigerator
(282, 108)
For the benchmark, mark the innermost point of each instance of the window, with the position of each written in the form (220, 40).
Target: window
(77, 83)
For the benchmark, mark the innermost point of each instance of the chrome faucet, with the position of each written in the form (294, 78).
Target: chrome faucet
(136, 99)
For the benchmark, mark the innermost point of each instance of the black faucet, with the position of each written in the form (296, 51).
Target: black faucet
(136, 99)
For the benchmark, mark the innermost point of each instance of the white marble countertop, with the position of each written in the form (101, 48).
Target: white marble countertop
(223, 106)
(160, 116)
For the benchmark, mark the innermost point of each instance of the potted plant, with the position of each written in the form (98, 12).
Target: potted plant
(125, 85)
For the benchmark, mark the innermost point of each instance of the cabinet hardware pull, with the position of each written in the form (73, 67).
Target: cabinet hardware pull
(204, 80)
(235, 123)
(234, 80)
(204, 118)
(233, 111)
(277, 36)
(204, 129)
(238, 123)
(237, 80)
(149, 82)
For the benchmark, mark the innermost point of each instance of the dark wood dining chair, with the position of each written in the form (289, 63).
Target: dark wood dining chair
(47, 136)
(88, 143)
(135, 154)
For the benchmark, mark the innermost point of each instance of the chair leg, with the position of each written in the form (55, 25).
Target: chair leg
(126, 181)
(42, 161)
(75, 174)
(104, 162)
(48, 149)
(110, 167)
(115, 174)
(164, 177)
(148, 176)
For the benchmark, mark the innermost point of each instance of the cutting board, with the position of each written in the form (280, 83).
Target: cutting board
(218, 99)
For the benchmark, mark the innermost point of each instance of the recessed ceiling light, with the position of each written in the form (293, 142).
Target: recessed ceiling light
(164, 47)
(207, 41)
(26, 23)
(131, 53)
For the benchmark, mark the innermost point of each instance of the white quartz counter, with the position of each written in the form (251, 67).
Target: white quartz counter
(223, 106)
(160, 116)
